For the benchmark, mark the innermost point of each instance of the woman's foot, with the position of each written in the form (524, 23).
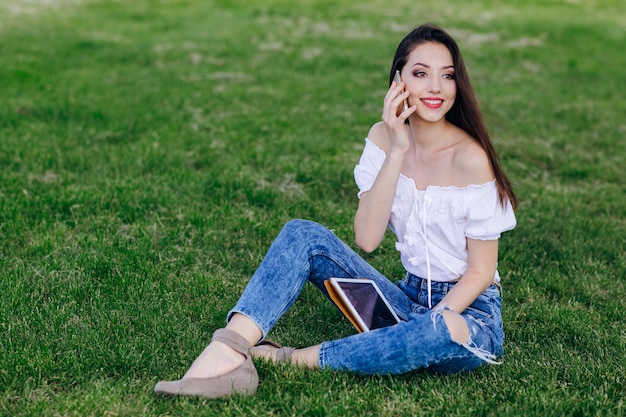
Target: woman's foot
(233, 373)
(272, 352)
(215, 360)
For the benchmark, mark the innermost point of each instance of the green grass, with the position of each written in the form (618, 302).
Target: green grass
(151, 150)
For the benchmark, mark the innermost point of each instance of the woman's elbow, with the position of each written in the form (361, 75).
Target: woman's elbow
(366, 245)
(367, 237)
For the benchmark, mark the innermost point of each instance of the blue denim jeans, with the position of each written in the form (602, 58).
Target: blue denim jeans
(306, 251)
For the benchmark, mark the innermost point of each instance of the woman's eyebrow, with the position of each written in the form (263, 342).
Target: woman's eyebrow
(428, 66)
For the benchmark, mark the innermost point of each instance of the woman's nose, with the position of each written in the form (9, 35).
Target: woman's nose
(434, 85)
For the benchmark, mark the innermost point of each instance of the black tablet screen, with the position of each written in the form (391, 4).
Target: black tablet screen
(368, 304)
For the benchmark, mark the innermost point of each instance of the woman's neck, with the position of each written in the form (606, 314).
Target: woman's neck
(429, 135)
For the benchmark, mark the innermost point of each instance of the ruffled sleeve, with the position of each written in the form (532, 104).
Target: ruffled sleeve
(486, 218)
(369, 165)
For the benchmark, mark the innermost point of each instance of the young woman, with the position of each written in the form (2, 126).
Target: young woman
(428, 172)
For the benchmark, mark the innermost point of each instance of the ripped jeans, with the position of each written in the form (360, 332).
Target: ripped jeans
(305, 251)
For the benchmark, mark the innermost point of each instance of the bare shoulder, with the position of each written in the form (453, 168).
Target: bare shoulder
(378, 134)
(471, 161)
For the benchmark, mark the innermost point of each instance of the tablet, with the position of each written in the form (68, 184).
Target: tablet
(362, 303)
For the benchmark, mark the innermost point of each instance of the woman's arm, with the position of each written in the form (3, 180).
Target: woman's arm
(483, 261)
(372, 215)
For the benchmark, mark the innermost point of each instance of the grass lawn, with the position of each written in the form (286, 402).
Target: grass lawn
(150, 151)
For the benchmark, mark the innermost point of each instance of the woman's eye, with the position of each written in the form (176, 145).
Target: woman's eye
(448, 76)
(419, 74)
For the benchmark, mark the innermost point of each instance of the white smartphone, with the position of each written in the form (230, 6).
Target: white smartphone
(398, 80)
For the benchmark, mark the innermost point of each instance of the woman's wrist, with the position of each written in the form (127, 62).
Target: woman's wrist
(396, 153)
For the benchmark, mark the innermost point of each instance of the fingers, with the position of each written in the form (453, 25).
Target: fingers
(395, 99)
(394, 116)
(400, 102)
(405, 113)
(394, 91)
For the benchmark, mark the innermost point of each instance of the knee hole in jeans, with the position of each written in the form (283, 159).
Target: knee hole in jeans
(457, 326)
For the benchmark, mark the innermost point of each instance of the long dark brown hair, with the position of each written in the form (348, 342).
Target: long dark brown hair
(465, 112)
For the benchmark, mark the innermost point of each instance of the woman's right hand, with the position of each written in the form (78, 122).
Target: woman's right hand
(394, 117)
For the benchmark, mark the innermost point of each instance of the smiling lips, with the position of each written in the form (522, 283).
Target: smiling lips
(432, 102)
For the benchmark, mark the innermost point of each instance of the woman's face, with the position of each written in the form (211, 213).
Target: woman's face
(429, 78)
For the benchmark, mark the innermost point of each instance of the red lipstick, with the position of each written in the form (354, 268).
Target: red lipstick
(432, 102)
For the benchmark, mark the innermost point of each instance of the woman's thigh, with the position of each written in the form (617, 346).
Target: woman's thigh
(422, 342)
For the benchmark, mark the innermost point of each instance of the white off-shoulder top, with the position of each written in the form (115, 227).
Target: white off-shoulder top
(432, 225)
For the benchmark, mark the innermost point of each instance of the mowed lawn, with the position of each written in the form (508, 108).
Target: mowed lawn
(150, 151)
